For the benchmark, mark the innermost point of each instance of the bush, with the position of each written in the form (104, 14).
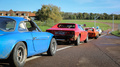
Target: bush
(116, 33)
(48, 22)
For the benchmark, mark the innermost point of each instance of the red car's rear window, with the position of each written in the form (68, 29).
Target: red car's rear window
(89, 29)
(66, 25)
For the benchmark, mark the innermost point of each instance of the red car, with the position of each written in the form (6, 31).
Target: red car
(70, 32)
(92, 32)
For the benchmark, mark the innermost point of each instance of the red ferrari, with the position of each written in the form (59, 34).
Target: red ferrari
(70, 32)
(92, 32)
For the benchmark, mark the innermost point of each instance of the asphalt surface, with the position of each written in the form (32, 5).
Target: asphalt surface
(101, 52)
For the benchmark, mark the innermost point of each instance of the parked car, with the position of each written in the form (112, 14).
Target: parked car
(99, 30)
(20, 38)
(70, 32)
(92, 32)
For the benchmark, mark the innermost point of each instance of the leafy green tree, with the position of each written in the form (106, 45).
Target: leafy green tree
(85, 15)
(105, 16)
(49, 11)
(91, 16)
(79, 16)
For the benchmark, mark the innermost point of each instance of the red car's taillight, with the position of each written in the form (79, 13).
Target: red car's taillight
(51, 31)
(70, 32)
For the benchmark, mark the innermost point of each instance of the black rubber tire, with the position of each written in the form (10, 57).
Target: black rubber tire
(77, 42)
(52, 48)
(19, 49)
(96, 36)
(86, 40)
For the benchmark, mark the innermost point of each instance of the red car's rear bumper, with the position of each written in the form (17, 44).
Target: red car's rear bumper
(66, 37)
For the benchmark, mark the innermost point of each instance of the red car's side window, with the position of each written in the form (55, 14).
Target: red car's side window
(80, 27)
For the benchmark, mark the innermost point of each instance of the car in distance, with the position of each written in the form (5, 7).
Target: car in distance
(70, 32)
(20, 38)
(92, 32)
(99, 30)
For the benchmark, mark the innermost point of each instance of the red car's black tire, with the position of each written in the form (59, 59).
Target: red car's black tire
(86, 40)
(77, 42)
(96, 36)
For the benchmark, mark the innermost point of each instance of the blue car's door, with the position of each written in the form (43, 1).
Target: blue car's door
(40, 41)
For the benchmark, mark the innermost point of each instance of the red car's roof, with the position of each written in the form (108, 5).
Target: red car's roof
(68, 29)
(66, 23)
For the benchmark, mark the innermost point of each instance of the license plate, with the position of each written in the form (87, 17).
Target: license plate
(60, 32)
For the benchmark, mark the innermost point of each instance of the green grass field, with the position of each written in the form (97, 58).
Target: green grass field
(89, 23)
(109, 21)
(116, 33)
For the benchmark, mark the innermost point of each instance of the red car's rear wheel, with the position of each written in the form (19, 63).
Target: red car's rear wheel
(77, 42)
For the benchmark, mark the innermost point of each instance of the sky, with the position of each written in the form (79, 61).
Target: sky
(74, 6)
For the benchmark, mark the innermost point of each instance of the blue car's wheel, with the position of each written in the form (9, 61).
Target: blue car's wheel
(52, 48)
(19, 55)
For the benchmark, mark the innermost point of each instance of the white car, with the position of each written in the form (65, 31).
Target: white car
(99, 30)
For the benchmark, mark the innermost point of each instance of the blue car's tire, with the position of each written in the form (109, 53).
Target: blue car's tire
(19, 55)
(52, 48)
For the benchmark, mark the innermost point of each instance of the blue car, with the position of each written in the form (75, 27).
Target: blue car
(21, 38)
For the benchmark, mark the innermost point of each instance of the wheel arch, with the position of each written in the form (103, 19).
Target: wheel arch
(25, 44)
(20, 41)
(53, 37)
(50, 41)
(14, 47)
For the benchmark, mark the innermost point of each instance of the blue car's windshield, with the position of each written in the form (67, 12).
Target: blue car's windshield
(7, 24)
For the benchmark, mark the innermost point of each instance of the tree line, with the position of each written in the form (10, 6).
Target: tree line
(53, 13)
(89, 16)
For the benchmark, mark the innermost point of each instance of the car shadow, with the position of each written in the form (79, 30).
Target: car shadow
(64, 43)
(91, 37)
(3, 63)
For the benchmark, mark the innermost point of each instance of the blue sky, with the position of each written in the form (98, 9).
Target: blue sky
(94, 6)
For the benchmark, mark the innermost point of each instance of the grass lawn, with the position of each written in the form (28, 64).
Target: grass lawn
(43, 26)
(109, 21)
(116, 33)
(88, 23)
